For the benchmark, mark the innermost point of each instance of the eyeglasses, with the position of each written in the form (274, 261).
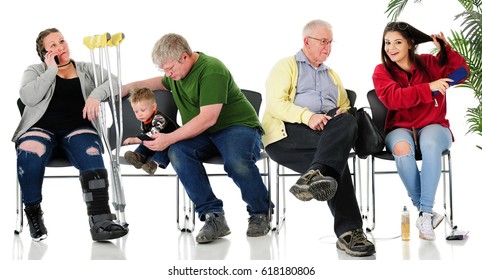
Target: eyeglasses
(170, 69)
(323, 42)
(399, 24)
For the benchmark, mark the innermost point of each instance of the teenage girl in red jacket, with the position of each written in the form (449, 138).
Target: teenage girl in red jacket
(413, 88)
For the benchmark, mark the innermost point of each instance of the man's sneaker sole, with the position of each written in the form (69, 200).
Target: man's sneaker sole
(204, 239)
(323, 190)
(301, 192)
(257, 234)
(341, 246)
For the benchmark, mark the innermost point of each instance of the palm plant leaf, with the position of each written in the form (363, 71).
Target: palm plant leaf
(468, 50)
(395, 8)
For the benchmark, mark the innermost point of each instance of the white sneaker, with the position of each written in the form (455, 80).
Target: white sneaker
(436, 219)
(424, 225)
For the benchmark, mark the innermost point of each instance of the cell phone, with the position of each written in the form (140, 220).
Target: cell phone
(56, 58)
(457, 76)
(144, 137)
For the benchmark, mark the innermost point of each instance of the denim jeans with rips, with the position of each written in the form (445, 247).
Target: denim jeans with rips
(31, 165)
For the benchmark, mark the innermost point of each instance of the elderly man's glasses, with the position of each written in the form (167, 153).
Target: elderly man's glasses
(323, 42)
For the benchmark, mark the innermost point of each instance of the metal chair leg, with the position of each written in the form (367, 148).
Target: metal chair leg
(188, 213)
(19, 223)
(280, 218)
(449, 216)
(369, 229)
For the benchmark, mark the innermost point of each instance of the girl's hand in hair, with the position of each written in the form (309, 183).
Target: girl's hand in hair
(439, 36)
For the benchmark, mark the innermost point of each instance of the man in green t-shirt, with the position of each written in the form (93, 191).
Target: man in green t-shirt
(217, 120)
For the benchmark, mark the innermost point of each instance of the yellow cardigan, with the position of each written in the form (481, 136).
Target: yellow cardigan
(280, 95)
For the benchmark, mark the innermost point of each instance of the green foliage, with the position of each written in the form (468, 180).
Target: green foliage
(468, 42)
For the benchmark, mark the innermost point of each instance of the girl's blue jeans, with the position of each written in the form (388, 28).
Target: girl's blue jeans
(421, 184)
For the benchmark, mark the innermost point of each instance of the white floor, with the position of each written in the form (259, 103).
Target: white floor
(155, 245)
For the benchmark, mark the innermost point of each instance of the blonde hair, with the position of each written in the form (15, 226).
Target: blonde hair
(141, 94)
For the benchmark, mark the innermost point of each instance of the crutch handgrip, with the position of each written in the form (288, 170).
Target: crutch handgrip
(89, 43)
(116, 39)
(100, 41)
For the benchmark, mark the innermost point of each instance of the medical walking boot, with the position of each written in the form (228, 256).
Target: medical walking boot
(103, 225)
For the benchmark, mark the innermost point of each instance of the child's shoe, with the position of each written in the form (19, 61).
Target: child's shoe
(134, 159)
(150, 167)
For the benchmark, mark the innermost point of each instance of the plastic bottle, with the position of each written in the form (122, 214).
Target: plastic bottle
(405, 224)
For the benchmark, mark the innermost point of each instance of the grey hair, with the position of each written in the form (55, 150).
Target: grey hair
(170, 47)
(312, 25)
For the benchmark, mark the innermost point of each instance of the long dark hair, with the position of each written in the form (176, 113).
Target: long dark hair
(414, 37)
(40, 41)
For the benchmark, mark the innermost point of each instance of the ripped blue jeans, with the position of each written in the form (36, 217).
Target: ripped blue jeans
(421, 184)
(81, 146)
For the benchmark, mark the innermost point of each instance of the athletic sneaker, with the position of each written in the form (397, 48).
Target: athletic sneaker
(313, 184)
(215, 226)
(436, 219)
(355, 243)
(258, 225)
(424, 225)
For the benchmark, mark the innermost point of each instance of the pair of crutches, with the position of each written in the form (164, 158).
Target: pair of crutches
(102, 43)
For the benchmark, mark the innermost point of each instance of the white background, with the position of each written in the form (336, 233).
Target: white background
(248, 36)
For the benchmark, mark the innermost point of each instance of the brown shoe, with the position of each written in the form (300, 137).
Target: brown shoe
(134, 159)
(150, 167)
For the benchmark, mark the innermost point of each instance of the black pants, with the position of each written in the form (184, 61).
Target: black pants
(306, 149)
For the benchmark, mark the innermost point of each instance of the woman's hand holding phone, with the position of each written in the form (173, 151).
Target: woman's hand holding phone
(46, 57)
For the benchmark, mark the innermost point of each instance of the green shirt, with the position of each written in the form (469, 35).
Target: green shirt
(210, 82)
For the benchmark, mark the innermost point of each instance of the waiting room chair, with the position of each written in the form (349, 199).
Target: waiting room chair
(379, 114)
(282, 172)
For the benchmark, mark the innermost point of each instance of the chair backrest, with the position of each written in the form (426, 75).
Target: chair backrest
(131, 126)
(351, 97)
(254, 98)
(379, 111)
(20, 106)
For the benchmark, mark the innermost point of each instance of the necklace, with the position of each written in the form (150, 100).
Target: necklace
(59, 66)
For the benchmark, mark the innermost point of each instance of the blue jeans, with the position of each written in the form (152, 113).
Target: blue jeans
(160, 157)
(31, 166)
(239, 146)
(421, 184)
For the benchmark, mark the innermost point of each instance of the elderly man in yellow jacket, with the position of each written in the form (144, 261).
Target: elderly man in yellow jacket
(309, 130)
